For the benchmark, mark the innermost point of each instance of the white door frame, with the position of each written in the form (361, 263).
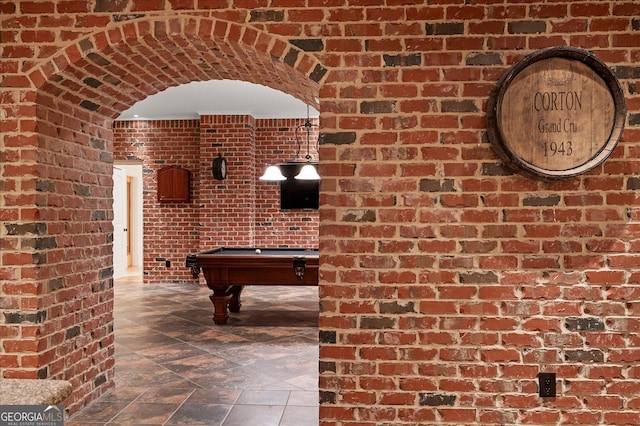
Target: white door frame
(134, 205)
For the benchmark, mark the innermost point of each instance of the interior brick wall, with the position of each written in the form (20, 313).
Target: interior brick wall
(228, 216)
(447, 281)
(56, 291)
(170, 230)
(276, 142)
(239, 211)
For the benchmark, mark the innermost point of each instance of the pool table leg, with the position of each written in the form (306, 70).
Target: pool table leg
(220, 300)
(234, 302)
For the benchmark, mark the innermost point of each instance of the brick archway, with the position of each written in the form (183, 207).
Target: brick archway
(110, 71)
(62, 237)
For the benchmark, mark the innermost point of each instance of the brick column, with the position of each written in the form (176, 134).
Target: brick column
(227, 207)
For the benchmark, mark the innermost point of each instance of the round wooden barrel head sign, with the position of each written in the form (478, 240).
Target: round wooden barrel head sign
(556, 114)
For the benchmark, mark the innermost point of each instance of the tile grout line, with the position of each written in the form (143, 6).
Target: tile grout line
(124, 408)
(178, 407)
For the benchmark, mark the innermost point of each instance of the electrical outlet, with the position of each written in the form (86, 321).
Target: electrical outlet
(167, 263)
(547, 385)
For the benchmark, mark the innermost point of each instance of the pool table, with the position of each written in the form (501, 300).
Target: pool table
(227, 270)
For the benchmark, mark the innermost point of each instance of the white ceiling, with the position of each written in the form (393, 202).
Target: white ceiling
(216, 97)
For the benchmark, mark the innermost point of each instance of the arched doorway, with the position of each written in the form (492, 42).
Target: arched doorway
(267, 352)
(79, 93)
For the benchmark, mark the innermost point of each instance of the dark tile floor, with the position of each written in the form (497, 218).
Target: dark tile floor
(175, 367)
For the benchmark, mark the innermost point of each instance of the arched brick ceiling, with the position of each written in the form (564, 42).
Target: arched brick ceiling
(109, 72)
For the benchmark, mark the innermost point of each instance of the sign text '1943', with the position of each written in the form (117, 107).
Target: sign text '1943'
(558, 148)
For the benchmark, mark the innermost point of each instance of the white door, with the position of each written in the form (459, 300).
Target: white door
(120, 231)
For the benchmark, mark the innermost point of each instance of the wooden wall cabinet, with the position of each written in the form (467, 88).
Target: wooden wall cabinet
(173, 185)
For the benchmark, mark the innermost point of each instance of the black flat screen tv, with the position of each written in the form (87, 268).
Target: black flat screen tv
(298, 194)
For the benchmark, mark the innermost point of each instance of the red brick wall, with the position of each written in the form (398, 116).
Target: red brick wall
(171, 230)
(240, 211)
(228, 213)
(276, 142)
(447, 282)
(56, 291)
